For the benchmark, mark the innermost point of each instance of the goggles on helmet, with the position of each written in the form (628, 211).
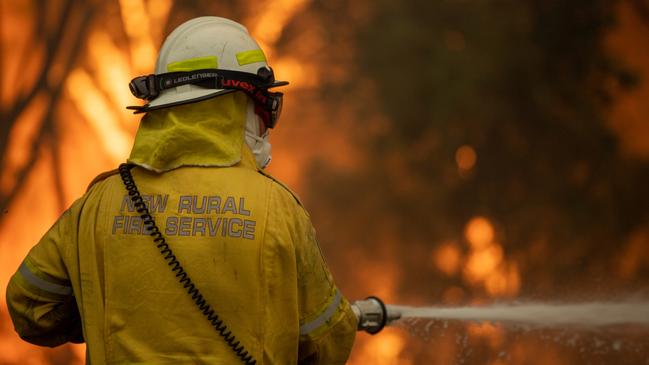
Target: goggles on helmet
(268, 105)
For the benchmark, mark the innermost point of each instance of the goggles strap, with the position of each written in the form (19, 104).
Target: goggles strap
(211, 79)
(256, 86)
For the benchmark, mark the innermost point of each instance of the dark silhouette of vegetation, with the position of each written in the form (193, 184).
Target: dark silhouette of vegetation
(70, 26)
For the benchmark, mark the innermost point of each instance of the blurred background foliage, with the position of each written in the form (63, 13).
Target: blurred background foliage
(450, 152)
(527, 85)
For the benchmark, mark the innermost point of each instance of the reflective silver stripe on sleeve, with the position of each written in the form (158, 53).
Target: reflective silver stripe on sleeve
(309, 327)
(43, 284)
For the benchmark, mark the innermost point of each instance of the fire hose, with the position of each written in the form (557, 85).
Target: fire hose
(373, 314)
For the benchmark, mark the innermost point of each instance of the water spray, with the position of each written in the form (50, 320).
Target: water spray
(597, 327)
(373, 314)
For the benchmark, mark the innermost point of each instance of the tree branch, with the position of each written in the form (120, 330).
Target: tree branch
(53, 43)
(47, 126)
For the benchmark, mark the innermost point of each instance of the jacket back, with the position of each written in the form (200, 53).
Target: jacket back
(243, 238)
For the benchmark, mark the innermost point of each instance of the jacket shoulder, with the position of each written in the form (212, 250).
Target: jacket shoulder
(284, 187)
(101, 177)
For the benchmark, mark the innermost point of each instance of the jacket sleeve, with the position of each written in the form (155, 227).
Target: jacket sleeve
(39, 295)
(327, 322)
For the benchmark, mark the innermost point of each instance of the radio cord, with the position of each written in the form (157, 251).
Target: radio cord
(177, 268)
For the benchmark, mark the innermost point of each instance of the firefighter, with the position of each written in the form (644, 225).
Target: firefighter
(193, 212)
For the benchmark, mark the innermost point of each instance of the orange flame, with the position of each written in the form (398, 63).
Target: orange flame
(447, 258)
(486, 264)
(137, 25)
(465, 158)
(479, 232)
(99, 114)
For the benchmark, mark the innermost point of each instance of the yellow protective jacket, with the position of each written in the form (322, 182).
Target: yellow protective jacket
(243, 238)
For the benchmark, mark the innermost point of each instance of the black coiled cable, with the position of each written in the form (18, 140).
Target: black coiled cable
(176, 267)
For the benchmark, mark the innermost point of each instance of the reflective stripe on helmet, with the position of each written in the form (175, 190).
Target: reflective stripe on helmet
(322, 319)
(247, 57)
(192, 64)
(47, 285)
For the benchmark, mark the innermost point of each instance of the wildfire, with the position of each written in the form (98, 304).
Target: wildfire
(447, 258)
(101, 117)
(138, 25)
(486, 264)
(384, 350)
(465, 158)
(628, 114)
(270, 20)
(23, 134)
(95, 133)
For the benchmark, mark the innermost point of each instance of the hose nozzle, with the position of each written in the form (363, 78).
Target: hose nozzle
(373, 314)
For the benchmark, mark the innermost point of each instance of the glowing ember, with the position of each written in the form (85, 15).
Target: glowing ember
(483, 262)
(465, 158)
(447, 258)
(479, 232)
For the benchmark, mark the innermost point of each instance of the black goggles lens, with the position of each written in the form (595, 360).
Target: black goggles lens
(276, 108)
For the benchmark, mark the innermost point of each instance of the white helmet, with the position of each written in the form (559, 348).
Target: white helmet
(206, 57)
